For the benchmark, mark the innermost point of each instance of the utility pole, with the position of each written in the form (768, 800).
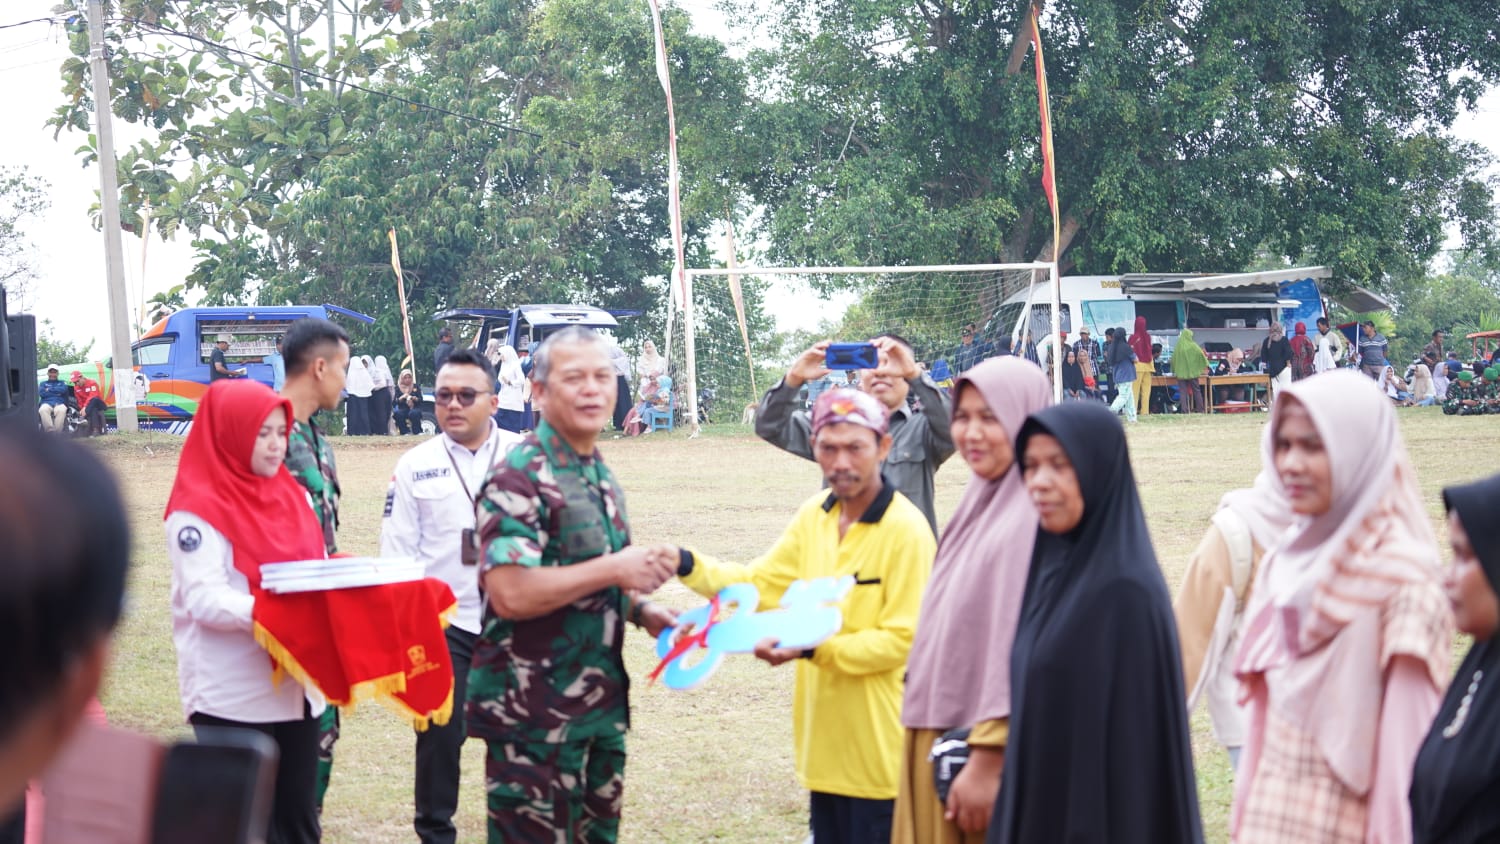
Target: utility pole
(114, 253)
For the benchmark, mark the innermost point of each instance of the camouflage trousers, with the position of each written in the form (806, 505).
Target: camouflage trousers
(328, 735)
(567, 793)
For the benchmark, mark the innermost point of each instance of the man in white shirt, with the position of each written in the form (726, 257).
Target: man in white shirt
(429, 515)
(1331, 347)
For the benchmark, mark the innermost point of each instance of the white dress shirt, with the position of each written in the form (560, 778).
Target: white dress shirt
(427, 511)
(220, 669)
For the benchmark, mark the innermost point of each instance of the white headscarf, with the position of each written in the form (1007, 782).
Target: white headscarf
(382, 374)
(510, 366)
(359, 383)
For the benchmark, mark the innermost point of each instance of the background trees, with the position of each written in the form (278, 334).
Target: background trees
(1190, 134)
(22, 197)
(518, 146)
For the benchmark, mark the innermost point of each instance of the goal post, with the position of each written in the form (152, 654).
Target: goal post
(927, 305)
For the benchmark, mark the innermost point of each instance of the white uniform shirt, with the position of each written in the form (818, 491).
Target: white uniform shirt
(1330, 351)
(220, 669)
(427, 511)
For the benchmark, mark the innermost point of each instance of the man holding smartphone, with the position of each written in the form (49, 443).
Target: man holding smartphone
(847, 731)
(920, 438)
(429, 516)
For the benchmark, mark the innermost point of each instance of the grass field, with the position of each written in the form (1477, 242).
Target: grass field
(713, 764)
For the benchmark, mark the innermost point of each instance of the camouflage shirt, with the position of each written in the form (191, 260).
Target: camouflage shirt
(559, 677)
(309, 458)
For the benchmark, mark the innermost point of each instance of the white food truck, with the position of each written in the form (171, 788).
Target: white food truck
(1223, 311)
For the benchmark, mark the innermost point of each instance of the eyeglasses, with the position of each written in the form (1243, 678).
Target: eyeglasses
(465, 396)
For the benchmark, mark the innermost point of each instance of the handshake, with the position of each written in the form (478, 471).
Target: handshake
(640, 570)
(644, 568)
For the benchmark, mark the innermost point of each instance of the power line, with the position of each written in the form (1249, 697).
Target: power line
(33, 20)
(165, 30)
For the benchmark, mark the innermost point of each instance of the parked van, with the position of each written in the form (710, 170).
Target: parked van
(170, 361)
(522, 326)
(1223, 311)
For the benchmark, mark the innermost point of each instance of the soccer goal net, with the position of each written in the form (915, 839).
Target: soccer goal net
(741, 327)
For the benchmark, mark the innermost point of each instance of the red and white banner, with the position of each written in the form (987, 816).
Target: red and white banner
(1049, 167)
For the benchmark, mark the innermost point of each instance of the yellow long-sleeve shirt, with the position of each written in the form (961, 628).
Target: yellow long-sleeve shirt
(846, 715)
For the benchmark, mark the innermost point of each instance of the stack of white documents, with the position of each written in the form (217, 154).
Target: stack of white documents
(338, 573)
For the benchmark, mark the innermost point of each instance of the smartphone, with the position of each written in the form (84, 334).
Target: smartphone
(851, 356)
(218, 789)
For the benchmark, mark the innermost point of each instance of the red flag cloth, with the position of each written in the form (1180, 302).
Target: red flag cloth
(382, 642)
(350, 644)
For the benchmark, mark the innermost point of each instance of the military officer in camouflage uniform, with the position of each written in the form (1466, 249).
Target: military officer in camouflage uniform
(317, 356)
(1463, 398)
(547, 689)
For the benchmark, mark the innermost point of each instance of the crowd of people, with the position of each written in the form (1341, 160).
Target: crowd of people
(1125, 371)
(1021, 675)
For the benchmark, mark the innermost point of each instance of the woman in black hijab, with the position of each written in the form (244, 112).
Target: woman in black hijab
(1073, 385)
(1455, 788)
(1099, 746)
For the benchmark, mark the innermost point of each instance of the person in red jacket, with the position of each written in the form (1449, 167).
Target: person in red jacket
(91, 399)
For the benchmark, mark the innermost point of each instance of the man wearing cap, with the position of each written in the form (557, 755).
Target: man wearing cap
(52, 401)
(90, 398)
(968, 352)
(1086, 343)
(217, 367)
(846, 723)
(921, 439)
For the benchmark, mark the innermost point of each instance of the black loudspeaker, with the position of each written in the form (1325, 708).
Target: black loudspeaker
(17, 368)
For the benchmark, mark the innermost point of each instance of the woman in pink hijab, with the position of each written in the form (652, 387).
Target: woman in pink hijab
(958, 673)
(1346, 649)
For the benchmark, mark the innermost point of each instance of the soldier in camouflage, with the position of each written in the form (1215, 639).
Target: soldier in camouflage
(547, 689)
(317, 356)
(1463, 397)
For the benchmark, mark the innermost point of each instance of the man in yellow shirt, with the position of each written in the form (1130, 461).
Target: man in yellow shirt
(846, 723)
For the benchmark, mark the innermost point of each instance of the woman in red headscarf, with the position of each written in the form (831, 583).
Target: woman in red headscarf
(1303, 352)
(1145, 366)
(234, 507)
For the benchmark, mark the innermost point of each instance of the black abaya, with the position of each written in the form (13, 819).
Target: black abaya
(1099, 746)
(1455, 784)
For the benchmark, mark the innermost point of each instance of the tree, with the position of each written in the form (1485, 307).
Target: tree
(23, 197)
(1189, 136)
(1457, 302)
(164, 304)
(516, 146)
(50, 350)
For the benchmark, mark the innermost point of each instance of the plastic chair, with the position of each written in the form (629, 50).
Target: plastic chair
(659, 420)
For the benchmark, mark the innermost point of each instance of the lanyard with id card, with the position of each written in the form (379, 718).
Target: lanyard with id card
(468, 545)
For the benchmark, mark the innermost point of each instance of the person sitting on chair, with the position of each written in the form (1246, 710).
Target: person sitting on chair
(89, 400)
(407, 409)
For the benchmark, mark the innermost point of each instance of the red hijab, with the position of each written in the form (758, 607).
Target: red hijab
(1300, 341)
(266, 520)
(1140, 341)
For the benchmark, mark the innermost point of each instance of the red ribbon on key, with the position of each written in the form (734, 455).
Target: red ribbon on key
(698, 639)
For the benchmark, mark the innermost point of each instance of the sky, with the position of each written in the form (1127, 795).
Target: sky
(71, 292)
